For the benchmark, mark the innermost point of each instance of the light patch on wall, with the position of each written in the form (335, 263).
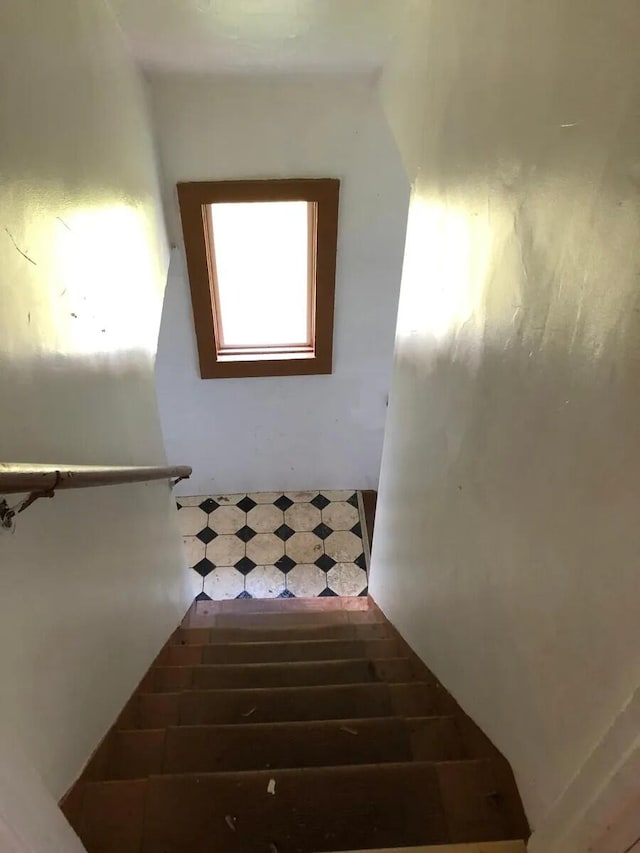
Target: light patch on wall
(444, 272)
(107, 281)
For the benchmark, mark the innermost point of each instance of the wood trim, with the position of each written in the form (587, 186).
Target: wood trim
(312, 228)
(193, 198)
(213, 278)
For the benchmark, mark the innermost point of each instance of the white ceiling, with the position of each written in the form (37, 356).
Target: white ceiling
(244, 36)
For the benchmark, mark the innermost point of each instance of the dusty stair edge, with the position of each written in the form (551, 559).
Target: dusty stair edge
(515, 846)
(311, 604)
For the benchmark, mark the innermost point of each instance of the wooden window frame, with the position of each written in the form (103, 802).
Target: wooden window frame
(194, 199)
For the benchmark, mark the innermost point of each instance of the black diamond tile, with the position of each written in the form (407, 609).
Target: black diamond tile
(325, 562)
(322, 531)
(245, 565)
(244, 594)
(246, 504)
(283, 503)
(202, 596)
(204, 567)
(245, 533)
(284, 532)
(361, 562)
(206, 535)
(320, 502)
(326, 592)
(357, 530)
(286, 594)
(364, 592)
(209, 505)
(285, 564)
(353, 500)
(178, 505)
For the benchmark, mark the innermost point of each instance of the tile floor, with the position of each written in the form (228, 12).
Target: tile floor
(275, 545)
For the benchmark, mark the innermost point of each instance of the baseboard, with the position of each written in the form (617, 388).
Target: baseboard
(366, 532)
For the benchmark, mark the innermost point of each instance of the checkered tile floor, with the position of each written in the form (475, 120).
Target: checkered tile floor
(275, 545)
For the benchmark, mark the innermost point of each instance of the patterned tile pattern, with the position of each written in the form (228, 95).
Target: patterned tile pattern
(271, 545)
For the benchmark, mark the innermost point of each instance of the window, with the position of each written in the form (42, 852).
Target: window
(261, 258)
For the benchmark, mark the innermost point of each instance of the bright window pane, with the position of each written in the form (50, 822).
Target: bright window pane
(262, 256)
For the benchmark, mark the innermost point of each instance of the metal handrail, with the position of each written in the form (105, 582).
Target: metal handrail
(43, 481)
(20, 477)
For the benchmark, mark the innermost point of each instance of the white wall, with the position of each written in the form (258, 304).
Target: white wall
(507, 536)
(302, 431)
(91, 583)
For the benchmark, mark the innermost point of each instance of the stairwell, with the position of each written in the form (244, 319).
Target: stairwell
(292, 726)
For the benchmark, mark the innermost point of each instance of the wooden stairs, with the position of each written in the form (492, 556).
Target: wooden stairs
(293, 726)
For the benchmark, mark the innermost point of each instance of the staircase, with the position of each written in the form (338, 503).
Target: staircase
(292, 726)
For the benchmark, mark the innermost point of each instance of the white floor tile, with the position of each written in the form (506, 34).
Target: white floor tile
(340, 516)
(226, 550)
(302, 517)
(347, 579)
(301, 497)
(264, 518)
(226, 519)
(343, 546)
(227, 500)
(264, 497)
(191, 520)
(338, 496)
(304, 547)
(224, 582)
(265, 582)
(306, 581)
(265, 549)
(194, 549)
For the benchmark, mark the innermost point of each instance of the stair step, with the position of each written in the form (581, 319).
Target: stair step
(364, 806)
(285, 619)
(284, 605)
(288, 674)
(243, 633)
(280, 704)
(202, 749)
(482, 847)
(278, 652)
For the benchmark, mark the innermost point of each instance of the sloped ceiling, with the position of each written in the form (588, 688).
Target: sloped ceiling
(238, 36)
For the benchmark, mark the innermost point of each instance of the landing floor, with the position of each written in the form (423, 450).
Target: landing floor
(276, 545)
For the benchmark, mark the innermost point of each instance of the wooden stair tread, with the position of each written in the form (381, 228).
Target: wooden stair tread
(280, 674)
(367, 750)
(138, 753)
(277, 704)
(283, 605)
(274, 633)
(190, 654)
(204, 618)
(340, 808)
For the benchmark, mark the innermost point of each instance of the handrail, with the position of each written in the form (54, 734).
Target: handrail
(21, 477)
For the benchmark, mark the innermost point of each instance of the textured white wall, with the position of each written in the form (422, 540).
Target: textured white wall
(295, 432)
(507, 537)
(91, 583)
